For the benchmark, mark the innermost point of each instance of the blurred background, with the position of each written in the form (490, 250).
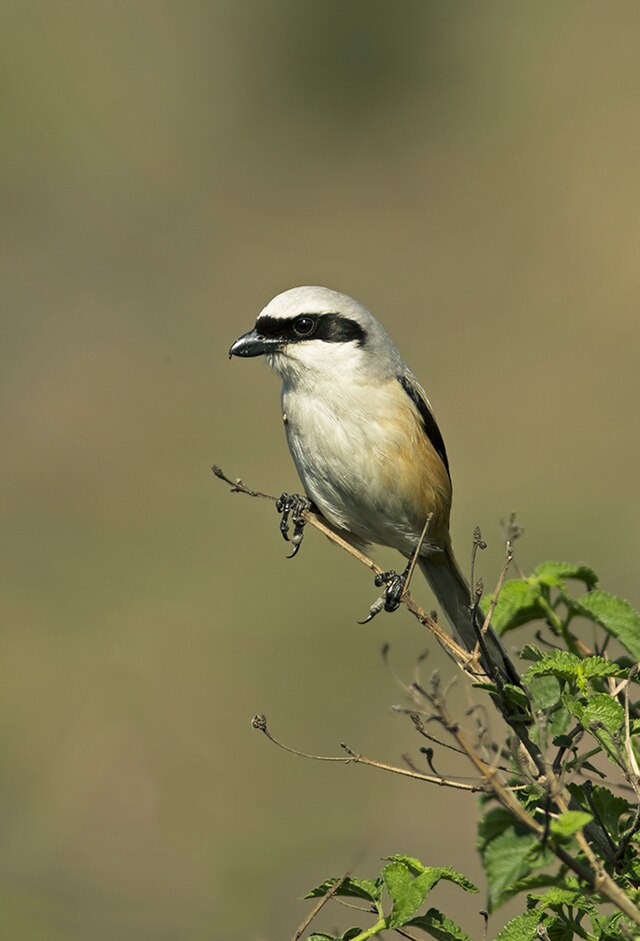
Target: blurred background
(468, 171)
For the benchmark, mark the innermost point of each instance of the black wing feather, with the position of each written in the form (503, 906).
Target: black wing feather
(428, 421)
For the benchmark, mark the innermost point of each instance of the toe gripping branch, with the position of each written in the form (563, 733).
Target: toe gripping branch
(291, 507)
(391, 597)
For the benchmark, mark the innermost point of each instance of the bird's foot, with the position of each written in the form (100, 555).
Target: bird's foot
(291, 507)
(391, 597)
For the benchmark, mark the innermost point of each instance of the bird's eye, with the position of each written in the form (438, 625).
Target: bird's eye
(304, 326)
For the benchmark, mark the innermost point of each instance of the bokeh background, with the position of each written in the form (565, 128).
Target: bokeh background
(470, 172)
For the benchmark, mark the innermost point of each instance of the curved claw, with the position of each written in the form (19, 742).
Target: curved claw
(376, 608)
(291, 507)
(393, 592)
(391, 597)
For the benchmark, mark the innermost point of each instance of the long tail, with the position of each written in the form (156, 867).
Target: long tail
(452, 591)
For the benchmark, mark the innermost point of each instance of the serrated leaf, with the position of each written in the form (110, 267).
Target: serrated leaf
(558, 896)
(609, 807)
(571, 668)
(439, 926)
(521, 928)
(554, 574)
(616, 926)
(545, 692)
(517, 604)
(531, 652)
(598, 666)
(569, 823)
(509, 853)
(411, 862)
(559, 663)
(493, 824)
(516, 696)
(615, 615)
(348, 935)
(436, 873)
(537, 881)
(370, 889)
(601, 715)
(407, 891)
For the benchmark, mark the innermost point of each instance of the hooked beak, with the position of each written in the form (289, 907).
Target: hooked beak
(253, 344)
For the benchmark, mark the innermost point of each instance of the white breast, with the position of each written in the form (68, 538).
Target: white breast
(350, 449)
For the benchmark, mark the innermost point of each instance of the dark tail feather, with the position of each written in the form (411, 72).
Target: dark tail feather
(452, 591)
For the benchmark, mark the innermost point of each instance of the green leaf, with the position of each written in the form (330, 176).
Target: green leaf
(531, 652)
(559, 663)
(616, 926)
(348, 935)
(569, 823)
(609, 808)
(509, 853)
(536, 881)
(615, 615)
(517, 604)
(407, 892)
(493, 824)
(370, 889)
(521, 928)
(559, 896)
(545, 692)
(554, 573)
(439, 926)
(601, 715)
(436, 873)
(570, 668)
(598, 666)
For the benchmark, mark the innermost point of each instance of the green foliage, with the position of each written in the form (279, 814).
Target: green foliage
(407, 882)
(570, 668)
(371, 890)
(615, 615)
(556, 831)
(509, 852)
(569, 823)
(526, 599)
(439, 926)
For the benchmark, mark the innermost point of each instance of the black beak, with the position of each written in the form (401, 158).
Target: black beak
(253, 344)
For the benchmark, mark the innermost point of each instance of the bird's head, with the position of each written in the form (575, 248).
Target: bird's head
(311, 334)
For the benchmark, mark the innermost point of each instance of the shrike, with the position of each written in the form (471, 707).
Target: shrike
(365, 442)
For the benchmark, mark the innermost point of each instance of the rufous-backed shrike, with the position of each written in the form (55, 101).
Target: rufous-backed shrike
(365, 441)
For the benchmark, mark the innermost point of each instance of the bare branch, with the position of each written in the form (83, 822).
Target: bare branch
(316, 908)
(468, 662)
(260, 722)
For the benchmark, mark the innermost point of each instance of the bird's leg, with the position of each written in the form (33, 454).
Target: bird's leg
(391, 597)
(291, 506)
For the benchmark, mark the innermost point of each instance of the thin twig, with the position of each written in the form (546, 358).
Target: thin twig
(467, 662)
(416, 553)
(508, 559)
(593, 874)
(316, 908)
(260, 723)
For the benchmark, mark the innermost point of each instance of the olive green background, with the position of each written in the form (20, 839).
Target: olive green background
(468, 171)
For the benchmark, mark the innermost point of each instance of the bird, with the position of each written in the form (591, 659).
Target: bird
(366, 444)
